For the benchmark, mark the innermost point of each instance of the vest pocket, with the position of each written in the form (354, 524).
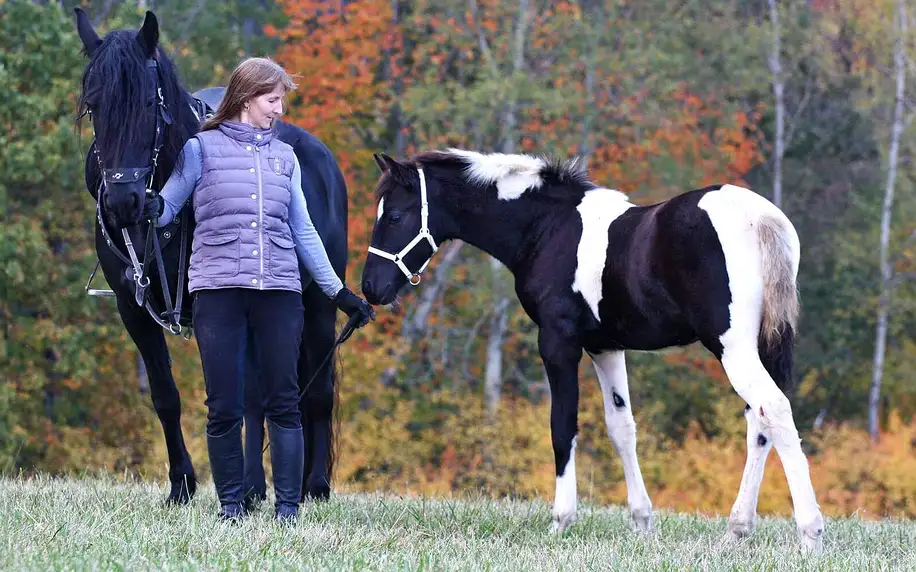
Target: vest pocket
(283, 262)
(219, 253)
(281, 166)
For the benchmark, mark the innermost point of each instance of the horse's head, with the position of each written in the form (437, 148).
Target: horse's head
(402, 240)
(122, 94)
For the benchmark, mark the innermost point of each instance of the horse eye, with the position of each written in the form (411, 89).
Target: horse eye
(394, 218)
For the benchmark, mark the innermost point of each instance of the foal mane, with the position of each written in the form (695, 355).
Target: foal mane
(561, 179)
(121, 67)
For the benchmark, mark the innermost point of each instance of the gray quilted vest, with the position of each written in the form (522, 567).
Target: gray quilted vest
(241, 203)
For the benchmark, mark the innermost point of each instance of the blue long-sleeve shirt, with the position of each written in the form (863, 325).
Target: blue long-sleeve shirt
(309, 247)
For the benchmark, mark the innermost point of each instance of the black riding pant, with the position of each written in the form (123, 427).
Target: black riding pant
(223, 320)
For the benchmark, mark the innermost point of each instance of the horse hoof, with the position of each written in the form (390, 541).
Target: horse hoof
(318, 493)
(182, 491)
(253, 499)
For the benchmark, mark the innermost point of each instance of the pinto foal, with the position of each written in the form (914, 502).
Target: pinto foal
(597, 273)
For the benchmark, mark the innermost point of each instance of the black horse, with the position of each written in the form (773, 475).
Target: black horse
(142, 117)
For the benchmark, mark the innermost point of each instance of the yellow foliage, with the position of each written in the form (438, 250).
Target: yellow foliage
(458, 449)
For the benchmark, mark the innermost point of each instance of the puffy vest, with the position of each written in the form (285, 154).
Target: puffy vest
(241, 205)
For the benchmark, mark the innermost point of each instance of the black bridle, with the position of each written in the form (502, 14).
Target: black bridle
(138, 271)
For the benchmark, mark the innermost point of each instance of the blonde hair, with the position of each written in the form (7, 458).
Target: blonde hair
(250, 79)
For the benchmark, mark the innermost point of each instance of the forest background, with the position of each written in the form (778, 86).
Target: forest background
(807, 102)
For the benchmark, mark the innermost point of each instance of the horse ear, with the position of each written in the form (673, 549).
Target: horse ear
(380, 161)
(401, 172)
(91, 40)
(148, 36)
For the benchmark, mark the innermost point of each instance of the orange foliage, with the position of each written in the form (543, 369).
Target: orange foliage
(337, 54)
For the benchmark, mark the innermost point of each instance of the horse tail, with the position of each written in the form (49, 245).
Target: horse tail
(779, 248)
(336, 370)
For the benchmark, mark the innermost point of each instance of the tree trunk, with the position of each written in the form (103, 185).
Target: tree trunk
(499, 320)
(415, 325)
(778, 93)
(874, 396)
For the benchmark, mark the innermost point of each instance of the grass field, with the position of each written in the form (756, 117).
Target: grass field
(66, 524)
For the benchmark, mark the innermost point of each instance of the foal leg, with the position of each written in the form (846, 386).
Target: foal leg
(561, 359)
(618, 414)
(774, 413)
(150, 341)
(743, 517)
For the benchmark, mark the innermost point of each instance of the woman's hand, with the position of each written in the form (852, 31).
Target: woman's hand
(351, 304)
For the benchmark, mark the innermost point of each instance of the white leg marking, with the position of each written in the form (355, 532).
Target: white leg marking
(612, 375)
(598, 209)
(564, 505)
(743, 517)
(734, 212)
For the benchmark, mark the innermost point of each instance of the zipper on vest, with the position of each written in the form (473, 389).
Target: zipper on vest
(257, 164)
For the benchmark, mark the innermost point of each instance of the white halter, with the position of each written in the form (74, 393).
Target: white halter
(398, 258)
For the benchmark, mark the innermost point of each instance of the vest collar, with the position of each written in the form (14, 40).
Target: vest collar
(246, 133)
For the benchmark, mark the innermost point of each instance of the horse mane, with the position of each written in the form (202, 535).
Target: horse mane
(562, 179)
(121, 65)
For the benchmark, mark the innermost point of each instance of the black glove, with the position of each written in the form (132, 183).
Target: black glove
(351, 304)
(153, 207)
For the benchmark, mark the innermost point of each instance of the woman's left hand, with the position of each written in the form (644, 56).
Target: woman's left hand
(351, 304)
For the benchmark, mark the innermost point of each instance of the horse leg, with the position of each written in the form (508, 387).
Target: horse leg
(743, 518)
(317, 404)
(618, 415)
(150, 341)
(752, 381)
(561, 358)
(255, 481)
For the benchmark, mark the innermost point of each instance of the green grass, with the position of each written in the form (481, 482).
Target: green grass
(67, 524)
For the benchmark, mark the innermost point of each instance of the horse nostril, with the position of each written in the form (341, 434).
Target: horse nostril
(134, 202)
(367, 286)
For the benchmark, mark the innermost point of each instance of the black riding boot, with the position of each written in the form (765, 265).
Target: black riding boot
(227, 464)
(287, 457)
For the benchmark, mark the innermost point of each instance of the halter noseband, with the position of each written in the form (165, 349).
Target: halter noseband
(398, 258)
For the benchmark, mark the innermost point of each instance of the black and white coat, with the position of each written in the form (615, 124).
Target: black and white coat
(598, 273)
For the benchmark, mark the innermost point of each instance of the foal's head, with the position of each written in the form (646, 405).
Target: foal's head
(402, 239)
(134, 100)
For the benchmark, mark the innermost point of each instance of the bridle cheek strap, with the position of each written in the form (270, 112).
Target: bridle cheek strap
(398, 259)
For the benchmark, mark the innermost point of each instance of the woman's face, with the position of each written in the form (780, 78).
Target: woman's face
(263, 109)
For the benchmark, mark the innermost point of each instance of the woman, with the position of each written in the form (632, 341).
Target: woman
(252, 221)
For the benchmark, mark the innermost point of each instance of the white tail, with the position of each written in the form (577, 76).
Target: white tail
(780, 295)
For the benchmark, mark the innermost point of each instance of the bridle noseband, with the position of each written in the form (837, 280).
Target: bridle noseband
(153, 247)
(398, 259)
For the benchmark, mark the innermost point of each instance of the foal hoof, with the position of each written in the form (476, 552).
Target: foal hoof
(642, 520)
(182, 490)
(812, 537)
(562, 522)
(741, 528)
